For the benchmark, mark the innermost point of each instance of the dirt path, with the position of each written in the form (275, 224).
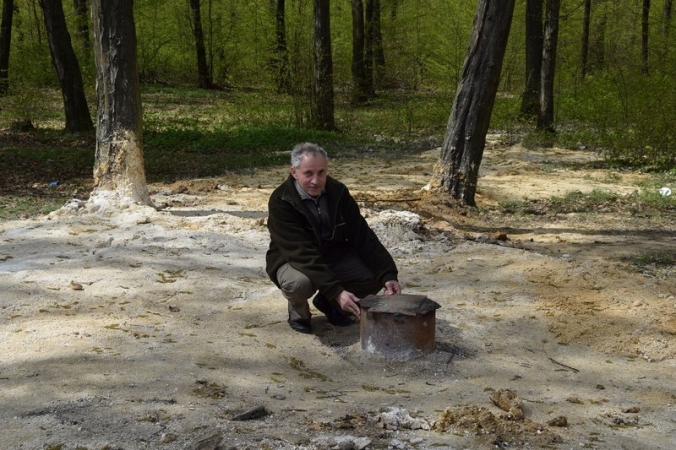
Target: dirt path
(155, 329)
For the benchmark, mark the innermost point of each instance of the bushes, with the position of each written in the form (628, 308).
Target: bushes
(629, 118)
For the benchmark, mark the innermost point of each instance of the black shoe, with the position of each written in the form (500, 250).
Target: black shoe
(333, 314)
(301, 326)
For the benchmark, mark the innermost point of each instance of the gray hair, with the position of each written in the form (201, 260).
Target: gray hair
(306, 148)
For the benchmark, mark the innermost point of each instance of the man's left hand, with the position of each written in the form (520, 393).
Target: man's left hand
(392, 287)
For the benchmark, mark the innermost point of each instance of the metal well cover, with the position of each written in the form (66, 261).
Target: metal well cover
(406, 304)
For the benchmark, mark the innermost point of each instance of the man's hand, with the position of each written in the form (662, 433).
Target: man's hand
(348, 302)
(392, 287)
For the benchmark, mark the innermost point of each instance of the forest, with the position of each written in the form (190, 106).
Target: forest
(140, 142)
(233, 82)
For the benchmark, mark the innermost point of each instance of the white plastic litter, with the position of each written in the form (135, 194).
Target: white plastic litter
(665, 192)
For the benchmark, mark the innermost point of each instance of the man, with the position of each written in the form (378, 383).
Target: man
(319, 241)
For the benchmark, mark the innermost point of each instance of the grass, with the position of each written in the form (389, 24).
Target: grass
(14, 206)
(647, 202)
(191, 133)
(651, 262)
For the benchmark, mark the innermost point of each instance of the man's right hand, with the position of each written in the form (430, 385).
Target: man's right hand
(349, 303)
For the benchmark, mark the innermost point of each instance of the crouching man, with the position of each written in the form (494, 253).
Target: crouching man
(320, 243)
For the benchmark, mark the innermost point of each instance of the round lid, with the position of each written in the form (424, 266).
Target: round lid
(406, 304)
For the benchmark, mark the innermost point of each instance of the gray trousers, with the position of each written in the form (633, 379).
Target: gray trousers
(297, 288)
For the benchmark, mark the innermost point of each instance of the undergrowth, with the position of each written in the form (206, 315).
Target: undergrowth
(641, 203)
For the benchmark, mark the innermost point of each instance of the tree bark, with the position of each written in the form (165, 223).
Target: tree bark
(666, 28)
(5, 43)
(599, 47)
(82, 21)
(463, 146)
(204, 79)
(67, 68)
(281, 58)
(378, 52)
(530, 102)
(394, 8)
(546, 114)
(666, 18)
(322, 87)
(584, 51)
(645, 34)
(118, 171)
(369, 48)
(360, 88)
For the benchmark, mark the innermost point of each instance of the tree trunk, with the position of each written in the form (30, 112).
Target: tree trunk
(281, 58)
(546, 114)
(530, 103)
(37, 19)
(82, 21)
(394, 8)
(666, 19)
(645, 33)
(584, 51)
(369, 45)
(204, 79)
(378, 52)
(118, 171)
(67, 68)
(666, 26)
(599, 47)
(5, 44)
(465, 138)
(322, 88)
(360, 92)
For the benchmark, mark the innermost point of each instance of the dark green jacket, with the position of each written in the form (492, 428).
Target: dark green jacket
(294, 237)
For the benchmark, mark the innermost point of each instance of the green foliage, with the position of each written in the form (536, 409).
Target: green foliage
(646, 202)
(505, 110)
(615, 109)
(576, 201)
(196, 133)
(15, 206)
(397, 114)
(650, 260)
(629, 118)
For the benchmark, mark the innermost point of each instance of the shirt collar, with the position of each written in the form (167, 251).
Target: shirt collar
(304, 195)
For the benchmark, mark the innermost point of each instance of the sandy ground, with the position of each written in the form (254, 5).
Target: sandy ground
(147, 329)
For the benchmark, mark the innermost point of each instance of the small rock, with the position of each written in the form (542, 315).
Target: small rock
(508, 401)
(499, 236)
(211, 443)
(252, 414)
(397, 419)
(167, 438)
(560, 421)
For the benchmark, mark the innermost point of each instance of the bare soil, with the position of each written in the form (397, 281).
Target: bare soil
(145, 329)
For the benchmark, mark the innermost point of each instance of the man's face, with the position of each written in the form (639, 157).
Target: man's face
(311, 175)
